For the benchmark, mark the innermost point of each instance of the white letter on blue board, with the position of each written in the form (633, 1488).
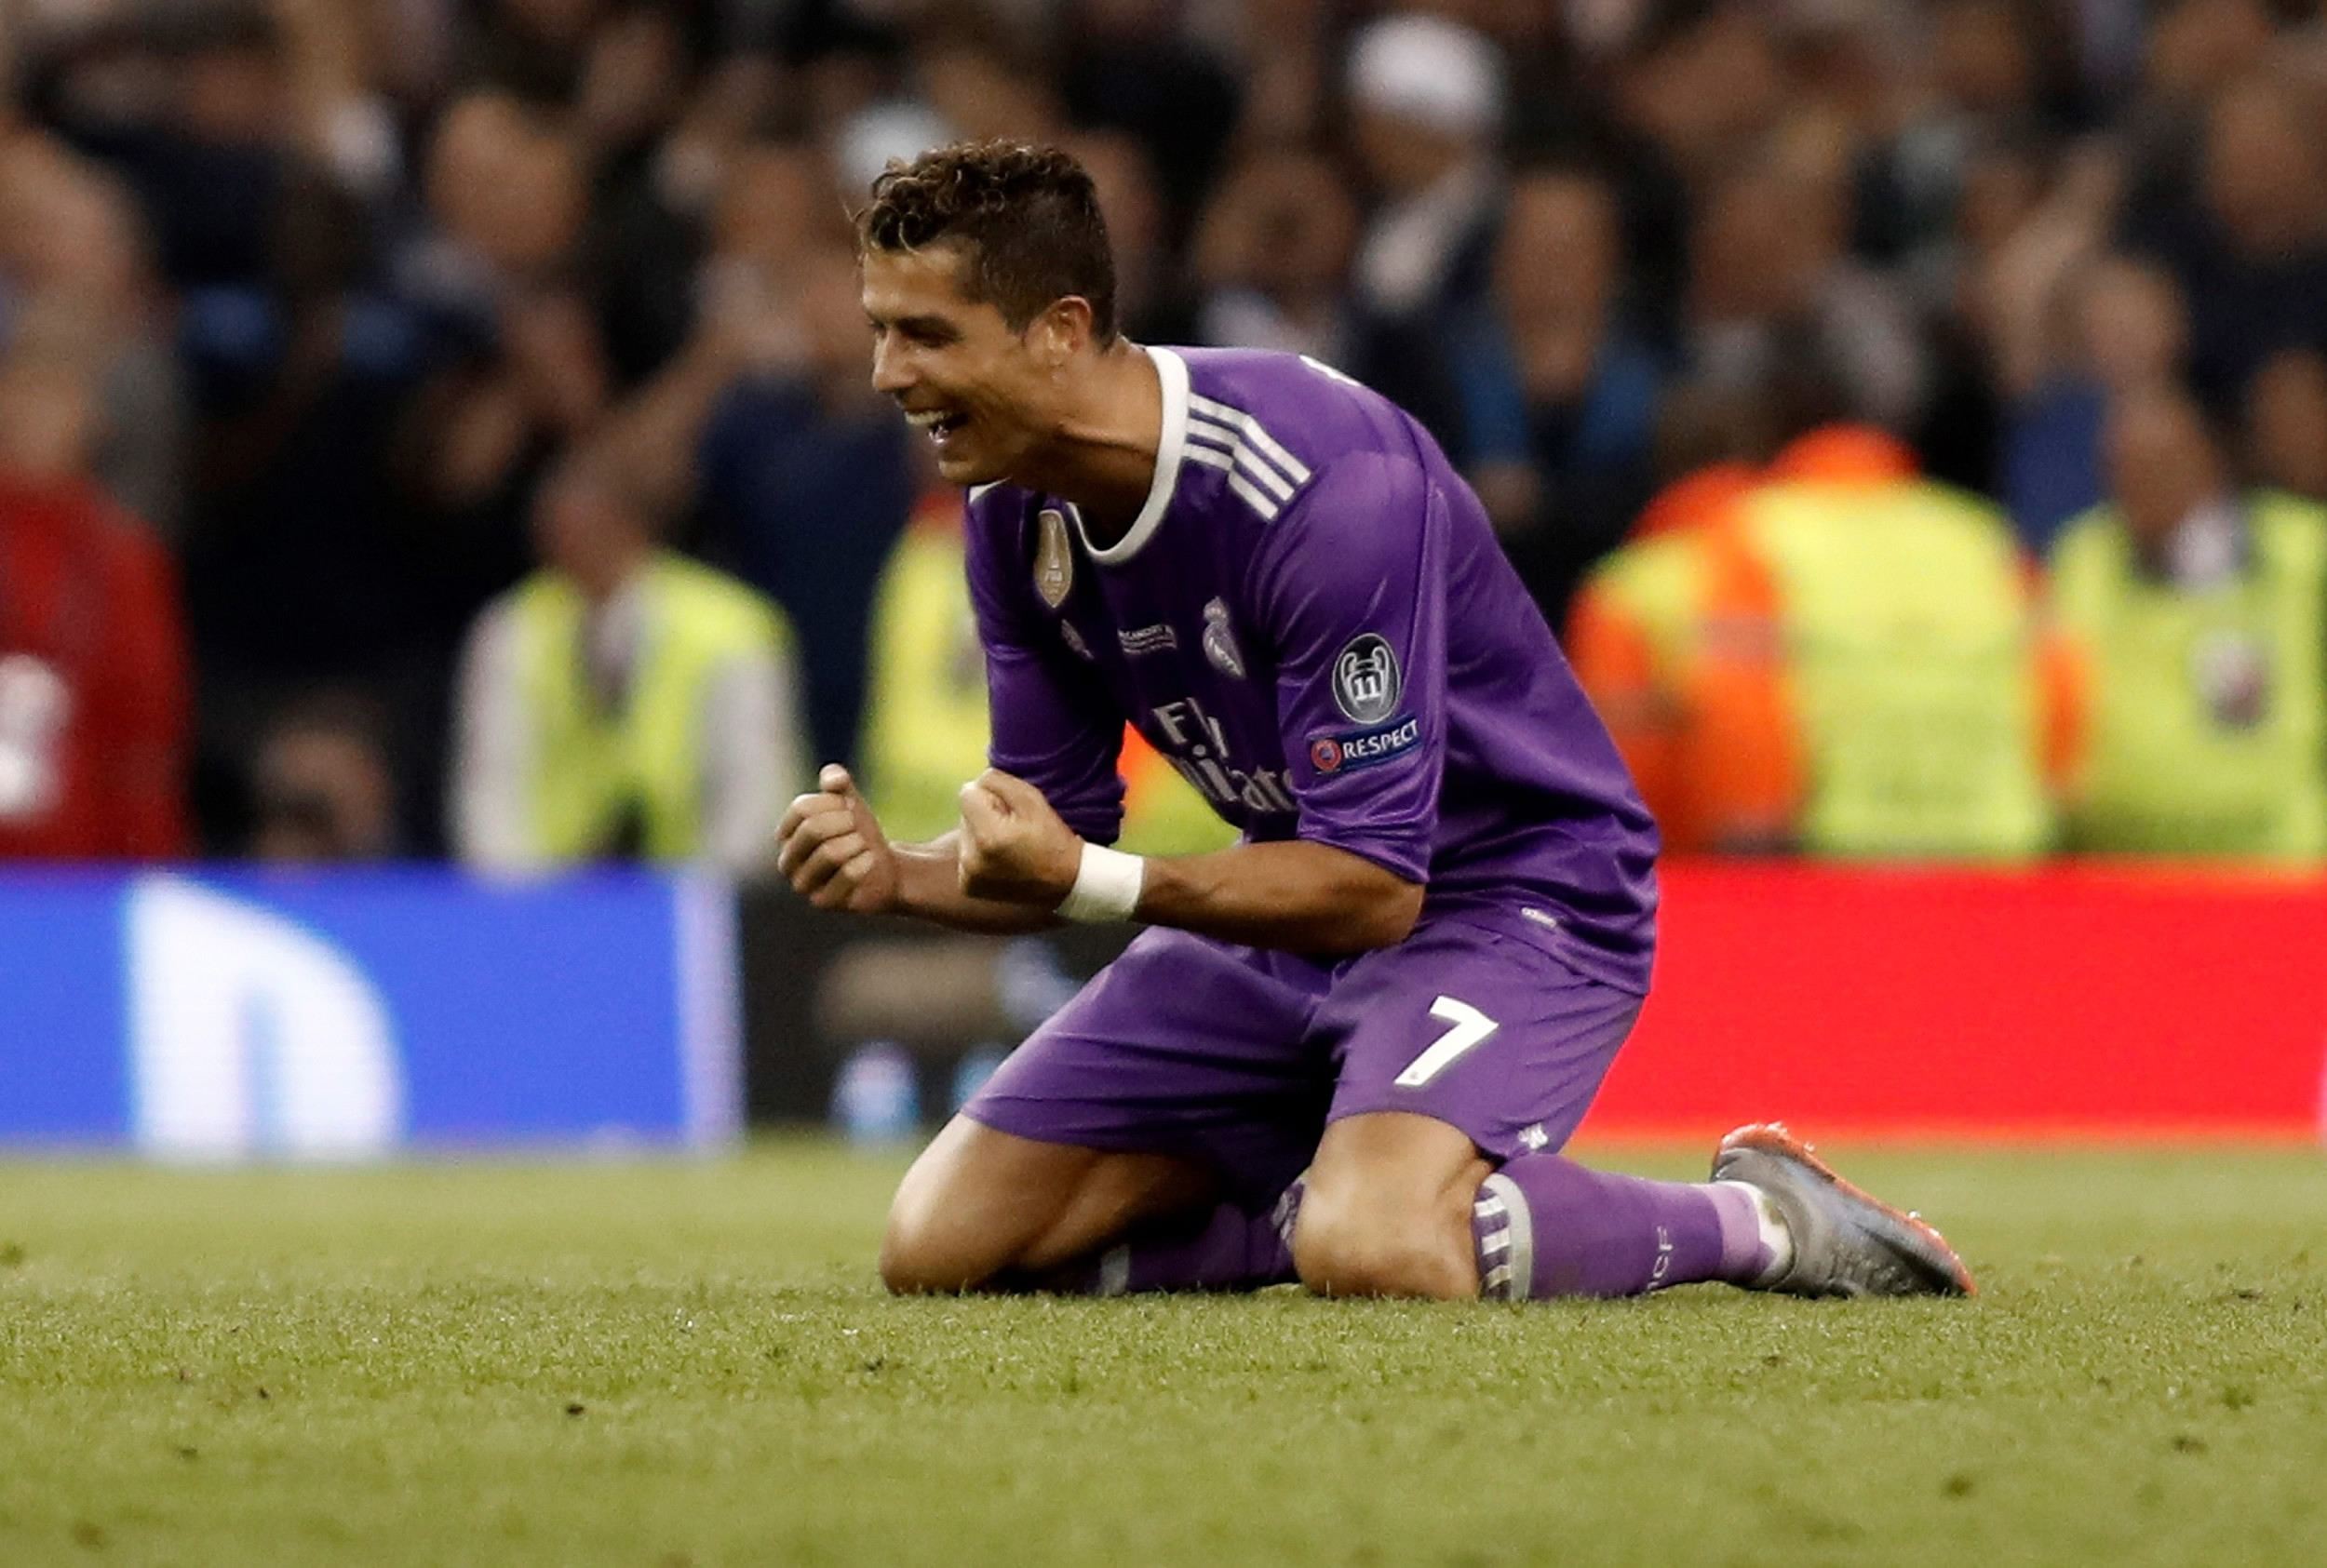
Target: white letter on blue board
(251, 1035)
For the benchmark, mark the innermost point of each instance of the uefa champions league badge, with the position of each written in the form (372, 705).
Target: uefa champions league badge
(1219, 643)
(1366, 681)
(1053, 557)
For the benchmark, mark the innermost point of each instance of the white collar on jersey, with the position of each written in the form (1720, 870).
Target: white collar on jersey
(1171, 371)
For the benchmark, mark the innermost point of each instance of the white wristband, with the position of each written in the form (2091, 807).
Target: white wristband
(1106, 889)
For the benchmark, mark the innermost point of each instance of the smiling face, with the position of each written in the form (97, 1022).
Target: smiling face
(986, 276)
(983, 393)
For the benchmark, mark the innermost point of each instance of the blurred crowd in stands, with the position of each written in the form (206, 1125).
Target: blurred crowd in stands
(443, 426)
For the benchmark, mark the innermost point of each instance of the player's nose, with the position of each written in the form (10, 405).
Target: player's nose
(890, 373)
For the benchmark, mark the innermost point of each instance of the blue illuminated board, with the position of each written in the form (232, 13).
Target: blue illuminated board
(348, 1015)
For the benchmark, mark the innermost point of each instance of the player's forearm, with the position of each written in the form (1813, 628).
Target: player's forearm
(929, 887)
(1297, 896)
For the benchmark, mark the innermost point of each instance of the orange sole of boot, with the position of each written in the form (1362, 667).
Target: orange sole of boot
(1773, 1137)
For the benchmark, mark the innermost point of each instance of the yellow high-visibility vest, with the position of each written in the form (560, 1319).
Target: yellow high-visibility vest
(2208, 731)
(592, 768)
(1909, 640)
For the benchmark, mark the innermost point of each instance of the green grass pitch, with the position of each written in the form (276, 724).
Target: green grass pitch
(692, 1364)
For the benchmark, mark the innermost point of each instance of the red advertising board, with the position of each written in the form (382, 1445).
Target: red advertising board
(2100, 1001)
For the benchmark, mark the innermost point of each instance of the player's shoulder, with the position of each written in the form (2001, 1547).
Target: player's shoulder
(985, 506)
(1282, 423)
(1308, 412)
(998, 523)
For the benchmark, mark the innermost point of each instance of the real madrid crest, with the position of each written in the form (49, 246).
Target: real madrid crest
(1219, 643)
(1053, 557)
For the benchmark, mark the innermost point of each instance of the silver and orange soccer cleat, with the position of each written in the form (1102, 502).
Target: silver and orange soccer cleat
(1845, 1242)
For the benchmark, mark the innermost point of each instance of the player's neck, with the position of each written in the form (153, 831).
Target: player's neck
(1101, 455)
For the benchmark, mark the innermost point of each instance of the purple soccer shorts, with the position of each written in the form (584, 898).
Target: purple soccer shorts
(1239, 1057)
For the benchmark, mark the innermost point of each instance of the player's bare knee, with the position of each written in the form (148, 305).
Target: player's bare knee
(1387, 1210)
(1371, 1243)
(981, 1209)
(934, 1242)
(919, 1258)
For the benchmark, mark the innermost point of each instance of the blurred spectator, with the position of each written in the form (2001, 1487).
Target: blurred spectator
(536, 48)
(2001, 193)
(980, 86)
(1633, 634)
(73, 248)
(1772, 286)
(865, 141)
(622, 702)
(2198, 47)
(344, 277)
(807, 475)
(346, 61)
(305, 559)
(1284, 50)
(1867, 685)
(1426, 101)
(1271, 255)
(1984, 66)
(197, 105)
(2199, 616)
(92, 663)
(2120, 325)
(1133, 66)
(1696, 82)
(647, 181)
(322, 788)
(1151, 302)
(1700, 80)
(507, 201)
(2249, 250)
(2286, 424)
(1559, 396)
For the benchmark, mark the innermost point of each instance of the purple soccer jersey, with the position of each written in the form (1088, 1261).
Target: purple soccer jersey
(1312, 620)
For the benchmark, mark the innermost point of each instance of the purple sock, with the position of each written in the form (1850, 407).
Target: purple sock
(1230, 1249)
(1546, 1226)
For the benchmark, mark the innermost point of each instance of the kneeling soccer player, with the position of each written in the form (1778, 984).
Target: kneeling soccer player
(1353, 1044)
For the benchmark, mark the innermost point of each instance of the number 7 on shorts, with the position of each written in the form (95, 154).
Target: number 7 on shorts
(1466, 1027)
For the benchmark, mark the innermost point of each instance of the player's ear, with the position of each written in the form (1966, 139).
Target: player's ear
(1063, 328)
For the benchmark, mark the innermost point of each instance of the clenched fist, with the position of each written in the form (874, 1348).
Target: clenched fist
(1013, 846)
(833, 850)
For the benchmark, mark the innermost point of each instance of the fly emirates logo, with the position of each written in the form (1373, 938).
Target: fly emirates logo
(1199, 749)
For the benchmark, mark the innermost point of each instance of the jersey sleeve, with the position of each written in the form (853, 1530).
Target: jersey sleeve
(1050, 721)
(1351, 588)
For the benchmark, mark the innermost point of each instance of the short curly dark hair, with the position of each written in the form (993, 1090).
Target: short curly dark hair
(1026, 217)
